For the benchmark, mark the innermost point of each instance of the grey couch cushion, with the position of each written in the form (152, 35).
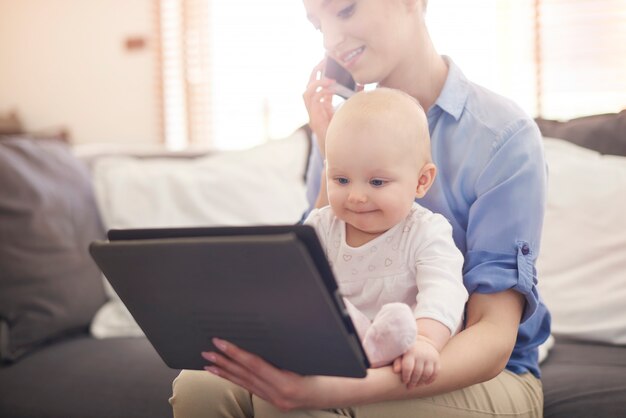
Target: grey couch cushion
(49, 286)
(584, 380)
(84, 377)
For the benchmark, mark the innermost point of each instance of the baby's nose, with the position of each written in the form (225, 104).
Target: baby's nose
(357, 196)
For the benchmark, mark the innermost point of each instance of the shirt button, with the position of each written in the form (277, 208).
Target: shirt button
(525, 249)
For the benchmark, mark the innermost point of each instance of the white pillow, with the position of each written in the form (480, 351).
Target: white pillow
(261, 185)
(582, 263)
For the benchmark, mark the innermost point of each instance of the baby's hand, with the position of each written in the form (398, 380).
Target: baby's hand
(419, 364)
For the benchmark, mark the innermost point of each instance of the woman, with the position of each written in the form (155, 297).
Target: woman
(490, 186)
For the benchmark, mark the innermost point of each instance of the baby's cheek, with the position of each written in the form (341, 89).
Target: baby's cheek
(335, 199)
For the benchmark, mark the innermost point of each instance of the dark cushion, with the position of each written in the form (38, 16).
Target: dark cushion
(603, 133)
(84, 377)
(584, 380)
(49, 286)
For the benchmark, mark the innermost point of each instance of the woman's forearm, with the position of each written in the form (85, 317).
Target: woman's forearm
(464, 361)
(475, 355)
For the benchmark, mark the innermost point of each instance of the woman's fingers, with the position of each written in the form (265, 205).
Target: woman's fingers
(317, 71)
(316, 87)
(224, 367)
(318, 102)
(242, 361)
(316, 80)
(255, 375)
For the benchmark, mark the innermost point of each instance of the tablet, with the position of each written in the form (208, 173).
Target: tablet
(267, 289)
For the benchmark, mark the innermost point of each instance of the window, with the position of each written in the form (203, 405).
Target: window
(492, 41)
(582, 57)
(234, 72)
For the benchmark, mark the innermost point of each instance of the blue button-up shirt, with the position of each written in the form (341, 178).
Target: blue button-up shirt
(491, 186)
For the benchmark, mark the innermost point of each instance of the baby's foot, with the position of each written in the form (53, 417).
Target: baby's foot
(392, 332)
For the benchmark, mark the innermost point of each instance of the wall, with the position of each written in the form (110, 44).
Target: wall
(64, 62)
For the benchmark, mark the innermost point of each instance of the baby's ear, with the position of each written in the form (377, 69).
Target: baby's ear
(426, 178)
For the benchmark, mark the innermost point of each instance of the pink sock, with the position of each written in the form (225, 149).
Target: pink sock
(391, 333)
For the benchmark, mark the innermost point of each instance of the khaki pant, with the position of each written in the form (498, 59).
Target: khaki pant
(201, 394)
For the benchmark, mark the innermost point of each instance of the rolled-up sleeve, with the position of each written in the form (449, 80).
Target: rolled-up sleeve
(505, 221)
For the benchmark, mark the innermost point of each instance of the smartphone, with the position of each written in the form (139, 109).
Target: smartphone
(346, 86)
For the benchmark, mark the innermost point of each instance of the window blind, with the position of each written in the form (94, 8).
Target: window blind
(172, 88)
(197, 65)
(582, 57)
(233, 73)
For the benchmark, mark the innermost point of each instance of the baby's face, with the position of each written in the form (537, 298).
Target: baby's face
(372, 178)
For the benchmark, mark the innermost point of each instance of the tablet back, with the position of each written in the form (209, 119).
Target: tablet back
(305, 233)
(263, 292)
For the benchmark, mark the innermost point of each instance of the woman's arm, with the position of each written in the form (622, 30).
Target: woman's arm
(318, 102)
(318, 98)
(476, 354)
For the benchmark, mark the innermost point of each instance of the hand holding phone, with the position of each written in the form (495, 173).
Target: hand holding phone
(345, 86)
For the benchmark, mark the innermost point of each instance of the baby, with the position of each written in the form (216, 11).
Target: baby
(395, 262)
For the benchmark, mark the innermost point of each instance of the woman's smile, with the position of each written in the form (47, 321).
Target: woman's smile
(349, 58)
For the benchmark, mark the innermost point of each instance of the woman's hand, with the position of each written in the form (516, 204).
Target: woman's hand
(283, 389)
(318, 98)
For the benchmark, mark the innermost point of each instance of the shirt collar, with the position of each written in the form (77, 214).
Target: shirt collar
(455, 91)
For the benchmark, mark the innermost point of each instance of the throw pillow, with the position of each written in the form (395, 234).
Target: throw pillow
(49, 286)
(581, 265)
(603, 133)
(261, 185)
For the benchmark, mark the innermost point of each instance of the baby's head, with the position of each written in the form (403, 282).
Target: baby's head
(377, 159)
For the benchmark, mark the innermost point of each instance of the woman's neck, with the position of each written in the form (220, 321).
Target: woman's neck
(422, 75)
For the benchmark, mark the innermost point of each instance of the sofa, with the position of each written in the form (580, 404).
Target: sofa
(69, 348)
(582, 266)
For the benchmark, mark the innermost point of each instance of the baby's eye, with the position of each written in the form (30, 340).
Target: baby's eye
(342, 180)
(377, 182)
(347, 11)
